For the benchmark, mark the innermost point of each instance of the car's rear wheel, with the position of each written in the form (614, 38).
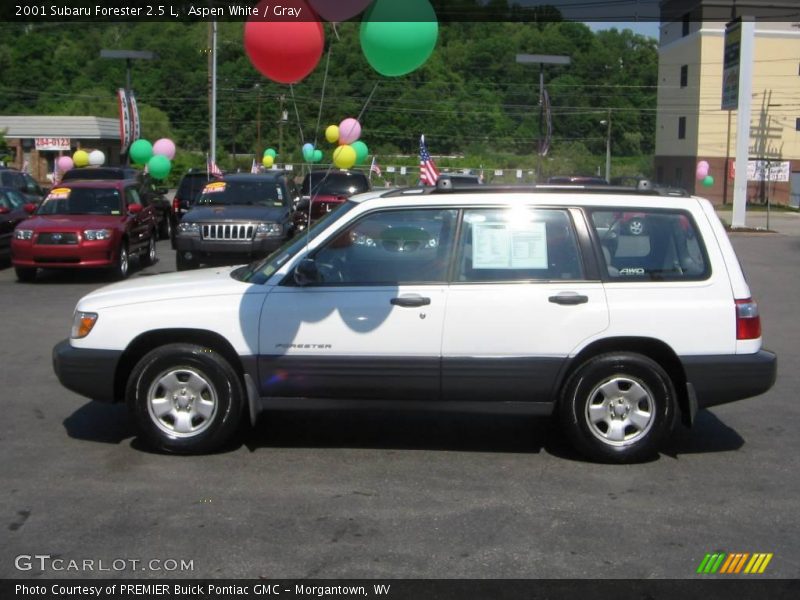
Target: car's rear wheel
(149, 256)
(618, 407)
(185, 264)
(122, 264)
(166, 227)
(26, 274)
(185, 398)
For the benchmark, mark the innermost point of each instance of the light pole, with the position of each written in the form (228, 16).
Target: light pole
(542, 60)
(608, 145)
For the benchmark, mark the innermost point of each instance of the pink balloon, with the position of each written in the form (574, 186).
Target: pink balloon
(702, 169)
(349, 131)
(64, 163)
(339, 10)
(164, 147)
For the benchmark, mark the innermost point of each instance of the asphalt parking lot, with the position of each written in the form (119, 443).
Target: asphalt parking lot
(411, 495)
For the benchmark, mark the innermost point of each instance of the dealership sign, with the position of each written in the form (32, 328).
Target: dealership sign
(52, 143)
(763, 170)
(730, 66)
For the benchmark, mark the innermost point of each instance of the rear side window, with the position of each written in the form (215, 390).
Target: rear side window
(517, 244)
(650, 245)
(191, 187)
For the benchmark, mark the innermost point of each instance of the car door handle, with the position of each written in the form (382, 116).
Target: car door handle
(569, 298)
(410, 301)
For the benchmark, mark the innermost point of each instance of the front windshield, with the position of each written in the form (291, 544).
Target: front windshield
(82, 201)
(253, 193)
(260, 271)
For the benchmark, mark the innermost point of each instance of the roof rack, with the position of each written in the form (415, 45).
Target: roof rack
(447, 186)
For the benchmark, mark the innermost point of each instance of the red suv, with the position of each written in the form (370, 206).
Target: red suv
(86, 224)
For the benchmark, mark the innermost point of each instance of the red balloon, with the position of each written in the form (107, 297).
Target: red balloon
(286, 50)
(339, 10)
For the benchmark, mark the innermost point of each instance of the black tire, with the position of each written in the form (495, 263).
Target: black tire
(618, 407)
(26, 274)
(185, 399)
(149, 254)
(183, 264)
(122, 265)
(165, 227)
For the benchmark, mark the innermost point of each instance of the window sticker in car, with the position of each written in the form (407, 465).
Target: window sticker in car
(214, 188)
(59, 194)
(501, 246)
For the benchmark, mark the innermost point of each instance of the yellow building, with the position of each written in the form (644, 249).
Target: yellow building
(691, 126)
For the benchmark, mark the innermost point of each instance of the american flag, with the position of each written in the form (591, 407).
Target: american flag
(212, 168)
(374, 168)
(428, 173)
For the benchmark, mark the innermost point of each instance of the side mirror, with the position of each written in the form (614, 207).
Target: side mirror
(134, 208)
(29, 208)
(306, 272)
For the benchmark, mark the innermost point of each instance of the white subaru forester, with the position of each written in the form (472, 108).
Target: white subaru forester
(533, 300)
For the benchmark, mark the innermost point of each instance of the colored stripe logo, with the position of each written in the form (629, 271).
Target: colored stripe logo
(734, 563)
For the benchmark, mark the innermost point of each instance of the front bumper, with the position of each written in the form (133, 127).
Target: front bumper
(87, 371)
(209, 248)
(88, 255)
(727, 378)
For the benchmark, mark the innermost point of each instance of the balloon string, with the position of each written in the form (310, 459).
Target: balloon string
(322, 96)
(364, 108)
(296, 112)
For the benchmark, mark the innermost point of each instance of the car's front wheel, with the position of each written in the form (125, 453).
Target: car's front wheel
(618, 407)
(185, 264)
(25, 274)
(185, 398)
(122, 264)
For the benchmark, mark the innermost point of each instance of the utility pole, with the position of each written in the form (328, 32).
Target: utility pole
(258, 120)
(608, 145)
(213, 133)
(283, 118)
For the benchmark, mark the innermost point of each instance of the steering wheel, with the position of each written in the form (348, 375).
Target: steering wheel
(331, 272)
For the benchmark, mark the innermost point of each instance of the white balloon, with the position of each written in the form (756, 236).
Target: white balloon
(96, 158)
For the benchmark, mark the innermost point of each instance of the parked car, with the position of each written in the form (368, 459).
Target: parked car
(326, 190)
(12, 212)
(483, 300)
(150, 194)
(189, 189)
(86, 224)
(237, 218)
(23, 183)
(462, 178)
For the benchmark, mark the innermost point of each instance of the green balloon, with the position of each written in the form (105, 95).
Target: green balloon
(317, 156)
(708, 181)
(308, 154)
(361, 151)
(270, 152)
(141, 151)
(159, 166)
(398, 37)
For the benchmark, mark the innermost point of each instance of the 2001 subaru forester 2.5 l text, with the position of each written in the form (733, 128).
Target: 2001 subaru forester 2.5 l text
(536, 300)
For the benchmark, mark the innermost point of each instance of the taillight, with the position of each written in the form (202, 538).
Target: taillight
(748, 323)
(176, 206)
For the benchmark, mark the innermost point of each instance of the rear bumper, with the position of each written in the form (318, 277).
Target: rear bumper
(722, 379)
(86, 371)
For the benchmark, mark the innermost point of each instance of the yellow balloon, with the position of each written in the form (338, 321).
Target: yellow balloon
(267, 161)
(80, 158)
(332, 133)
(344, 157)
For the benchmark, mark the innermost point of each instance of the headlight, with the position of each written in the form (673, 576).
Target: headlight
(188, 228)
(269, 230)
(82, 323)
(23, 234)
(93, 235)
